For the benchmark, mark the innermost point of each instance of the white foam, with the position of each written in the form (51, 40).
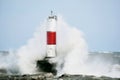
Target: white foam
(72, 53)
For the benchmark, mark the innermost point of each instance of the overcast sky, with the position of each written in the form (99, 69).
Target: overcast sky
(98, 19)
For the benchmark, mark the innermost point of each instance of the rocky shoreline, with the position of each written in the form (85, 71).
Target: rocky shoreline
(50, 76)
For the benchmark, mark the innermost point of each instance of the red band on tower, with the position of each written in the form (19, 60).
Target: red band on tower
(51, 38)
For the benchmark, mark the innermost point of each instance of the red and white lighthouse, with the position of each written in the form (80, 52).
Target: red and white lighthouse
(51, 36)
(48, 64)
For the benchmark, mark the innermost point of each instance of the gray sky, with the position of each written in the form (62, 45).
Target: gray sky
(98, 19)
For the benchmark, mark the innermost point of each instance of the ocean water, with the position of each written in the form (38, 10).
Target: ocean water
(108, 63)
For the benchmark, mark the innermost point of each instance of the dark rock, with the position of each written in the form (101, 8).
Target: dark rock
(50, 76)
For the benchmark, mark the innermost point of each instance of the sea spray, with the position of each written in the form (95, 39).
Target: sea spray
(8, 62)
(72, 53)
(34, 50)
(71, 49)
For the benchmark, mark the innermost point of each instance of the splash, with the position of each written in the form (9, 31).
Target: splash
(71, 49)
(72, 53)
(8, 62)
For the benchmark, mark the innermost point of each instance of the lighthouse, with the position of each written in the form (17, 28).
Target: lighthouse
(48, 64)
(51, 36)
